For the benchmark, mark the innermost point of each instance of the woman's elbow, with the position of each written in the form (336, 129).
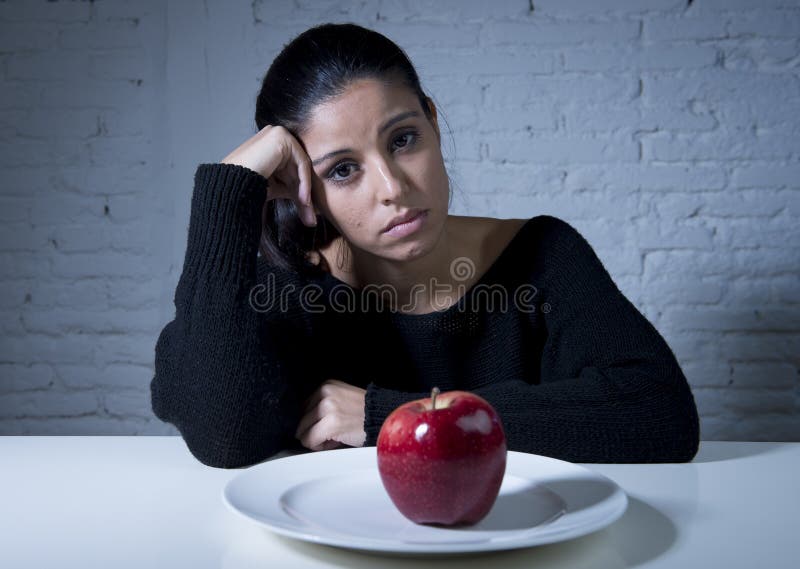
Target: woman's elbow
(227, 451)
(683, 434)
(689, 435)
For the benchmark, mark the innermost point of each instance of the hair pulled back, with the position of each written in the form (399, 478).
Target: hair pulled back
(318, 65)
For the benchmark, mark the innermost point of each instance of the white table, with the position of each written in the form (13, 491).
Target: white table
(145, 502)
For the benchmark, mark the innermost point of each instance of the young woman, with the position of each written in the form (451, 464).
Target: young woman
(367, 293)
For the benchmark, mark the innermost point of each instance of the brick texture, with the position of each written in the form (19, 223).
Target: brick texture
(666, 131)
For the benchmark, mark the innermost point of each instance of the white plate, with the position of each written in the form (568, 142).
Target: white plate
(336, 498)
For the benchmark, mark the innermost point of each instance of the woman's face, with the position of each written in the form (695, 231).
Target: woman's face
(369, 168)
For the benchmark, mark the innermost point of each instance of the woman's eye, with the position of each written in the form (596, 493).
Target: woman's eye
(342, 169)
(409, 141)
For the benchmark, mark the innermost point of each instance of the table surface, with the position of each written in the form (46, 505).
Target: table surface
(146, 502)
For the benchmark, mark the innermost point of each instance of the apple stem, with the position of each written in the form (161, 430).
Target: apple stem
(434, 392)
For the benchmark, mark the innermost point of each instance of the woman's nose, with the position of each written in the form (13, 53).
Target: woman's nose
(391, 181)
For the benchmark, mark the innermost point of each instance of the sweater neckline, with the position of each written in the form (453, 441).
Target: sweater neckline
(495, 267)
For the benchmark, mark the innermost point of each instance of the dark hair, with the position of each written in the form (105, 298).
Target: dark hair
(317, 65)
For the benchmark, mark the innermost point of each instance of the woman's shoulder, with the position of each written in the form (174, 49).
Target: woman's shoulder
(489, 224)
(484, 240)
(537, 246)
(545, 231)
(489, 232)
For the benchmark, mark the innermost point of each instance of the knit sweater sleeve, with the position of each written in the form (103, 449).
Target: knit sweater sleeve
(611, 389)
(227, 371)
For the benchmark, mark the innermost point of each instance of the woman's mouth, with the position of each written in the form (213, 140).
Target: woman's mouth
(411, 226)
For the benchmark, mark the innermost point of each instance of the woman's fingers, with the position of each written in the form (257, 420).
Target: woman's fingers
(304, 189)
(327, 388)
(333, 412)
(312, 401)
(278, 156)
(309, 419)
(304, 186)
(318, 434)
(317, 396)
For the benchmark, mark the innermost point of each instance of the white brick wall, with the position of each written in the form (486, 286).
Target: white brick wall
(666, 131)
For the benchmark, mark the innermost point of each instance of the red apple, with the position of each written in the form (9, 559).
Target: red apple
(442, 458)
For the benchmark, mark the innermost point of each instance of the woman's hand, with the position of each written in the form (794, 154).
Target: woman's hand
(333, 417)
(277, 155)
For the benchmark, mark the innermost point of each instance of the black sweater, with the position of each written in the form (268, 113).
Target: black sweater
(575, 371)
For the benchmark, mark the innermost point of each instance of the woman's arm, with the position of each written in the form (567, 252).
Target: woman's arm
(611, 389)
(229, 376)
